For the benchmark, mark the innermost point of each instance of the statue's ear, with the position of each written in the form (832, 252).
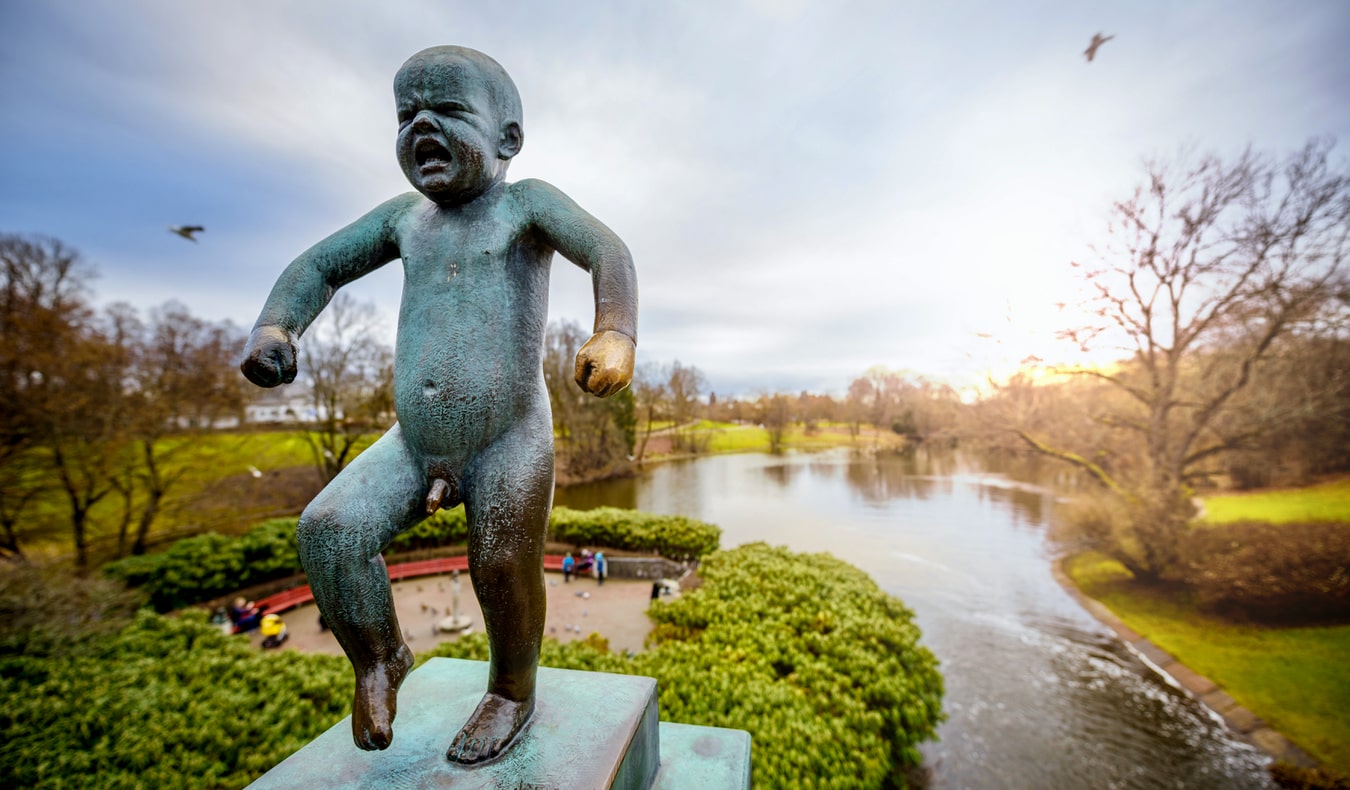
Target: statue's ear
(510, 141)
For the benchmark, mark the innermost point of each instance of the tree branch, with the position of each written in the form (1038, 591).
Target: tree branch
(1077, 460)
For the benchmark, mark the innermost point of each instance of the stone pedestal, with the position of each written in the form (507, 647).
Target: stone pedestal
(590, 730)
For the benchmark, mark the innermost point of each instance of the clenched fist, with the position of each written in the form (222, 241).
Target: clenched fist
(269, 357)
(605, 363)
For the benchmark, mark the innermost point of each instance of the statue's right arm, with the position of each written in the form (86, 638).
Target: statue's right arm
(306, 286)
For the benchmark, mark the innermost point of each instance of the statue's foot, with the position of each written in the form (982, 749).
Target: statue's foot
(490, 729)
(377, 700)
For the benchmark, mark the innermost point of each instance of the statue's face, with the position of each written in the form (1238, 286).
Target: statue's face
(449, 137)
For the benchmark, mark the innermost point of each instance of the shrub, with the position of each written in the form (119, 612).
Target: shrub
(44, 612)
(206, 566)
(444, 528)
(167, 702)
(1141, 534)
(803, 651)
(1280, 572)
(674, 537)
(1294, 777)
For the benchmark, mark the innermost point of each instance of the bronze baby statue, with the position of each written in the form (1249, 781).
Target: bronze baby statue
(473, 415)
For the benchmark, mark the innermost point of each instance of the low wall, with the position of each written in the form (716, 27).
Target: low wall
(644, 568)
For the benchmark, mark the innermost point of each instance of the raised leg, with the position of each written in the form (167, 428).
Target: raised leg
(340, 537)
(507, 495)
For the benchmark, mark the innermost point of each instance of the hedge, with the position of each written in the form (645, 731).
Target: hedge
(1285, 573)
(802, 650)
(674, 537)
(208, 566)
(211, 565)
(167, 702)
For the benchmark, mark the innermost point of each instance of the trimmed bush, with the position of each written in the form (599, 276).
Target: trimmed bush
(444, 528)
(802, 650)
(673, 537)
(167, 702)
(1272, 572)
(207, 566)
(45, 611)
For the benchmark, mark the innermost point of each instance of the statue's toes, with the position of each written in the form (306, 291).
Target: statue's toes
(467, 750)
(372, 736)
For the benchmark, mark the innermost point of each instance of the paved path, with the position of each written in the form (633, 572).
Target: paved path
(616, 611)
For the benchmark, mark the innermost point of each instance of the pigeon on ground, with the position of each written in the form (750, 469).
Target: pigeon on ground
(186, 231)
(1097, 40)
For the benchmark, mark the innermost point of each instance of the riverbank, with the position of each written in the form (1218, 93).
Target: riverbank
(719, 438)
(1087, 577)
(1276, 685)
(727, 438)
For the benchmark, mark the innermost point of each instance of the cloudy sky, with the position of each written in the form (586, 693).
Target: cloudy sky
(808, 188)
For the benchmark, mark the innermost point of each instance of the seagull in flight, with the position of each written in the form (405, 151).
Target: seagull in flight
(186, 231)
(1097, 40)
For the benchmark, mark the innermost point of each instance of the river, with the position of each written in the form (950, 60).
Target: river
(1039, 694)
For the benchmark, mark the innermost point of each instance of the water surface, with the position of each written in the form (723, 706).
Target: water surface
(1039, 694)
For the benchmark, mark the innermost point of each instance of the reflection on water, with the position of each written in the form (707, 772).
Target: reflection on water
(1039, 695)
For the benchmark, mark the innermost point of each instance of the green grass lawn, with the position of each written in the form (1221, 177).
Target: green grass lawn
(1296, 679)
(202, 460)
(730, 437)
(1325, 502)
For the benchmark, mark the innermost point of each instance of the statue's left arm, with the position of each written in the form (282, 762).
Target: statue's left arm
(605, 363)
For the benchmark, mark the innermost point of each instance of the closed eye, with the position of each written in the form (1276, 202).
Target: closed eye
(453, 108)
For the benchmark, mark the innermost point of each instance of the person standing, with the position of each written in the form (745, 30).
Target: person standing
(569, 565)
(601, 567)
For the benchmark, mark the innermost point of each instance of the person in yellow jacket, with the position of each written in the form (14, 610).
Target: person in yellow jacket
(273, 630)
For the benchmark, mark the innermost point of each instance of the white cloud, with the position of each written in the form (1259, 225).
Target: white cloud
(807, 188)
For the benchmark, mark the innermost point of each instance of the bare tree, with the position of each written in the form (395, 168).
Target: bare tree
(350, 374)
(860, 393)
(649, 391)
(775, 414)
(84, 421)
(595, 436)
(684, 386)
(1209, 263)
(43, 286)
(62, 390)
(181, 384)
(1296, 411)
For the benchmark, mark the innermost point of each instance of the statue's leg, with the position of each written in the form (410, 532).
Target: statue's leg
(340, 536)
(508, 490)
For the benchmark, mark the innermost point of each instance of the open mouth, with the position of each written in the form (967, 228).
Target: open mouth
(430, 154)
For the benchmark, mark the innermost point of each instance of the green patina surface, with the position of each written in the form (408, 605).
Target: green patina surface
(708, 757)
(589, 729)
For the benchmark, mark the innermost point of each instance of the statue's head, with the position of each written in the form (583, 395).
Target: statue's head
(459, 122)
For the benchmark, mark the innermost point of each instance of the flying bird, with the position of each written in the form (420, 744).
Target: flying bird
(1097, 40)
(186, 231)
